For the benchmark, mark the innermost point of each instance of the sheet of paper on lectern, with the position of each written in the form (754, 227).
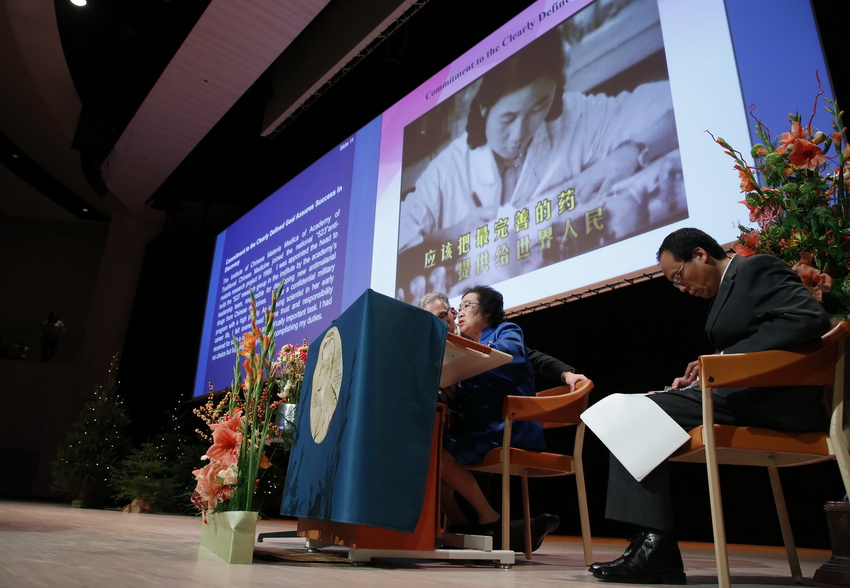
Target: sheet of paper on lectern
(635, 430)
(463, 359)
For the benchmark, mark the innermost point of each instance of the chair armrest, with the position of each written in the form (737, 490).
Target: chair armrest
(812, 365)
(563, 408)
(808, 365)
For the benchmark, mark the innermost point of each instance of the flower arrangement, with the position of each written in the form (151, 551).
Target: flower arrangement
(288, 373)
(797, 194)
(241, 422)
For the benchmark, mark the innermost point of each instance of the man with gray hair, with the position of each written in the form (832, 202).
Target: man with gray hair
(438, 304)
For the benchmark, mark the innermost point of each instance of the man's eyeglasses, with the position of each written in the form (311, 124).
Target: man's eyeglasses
(469, 303)
(677, 277)
(442, 315)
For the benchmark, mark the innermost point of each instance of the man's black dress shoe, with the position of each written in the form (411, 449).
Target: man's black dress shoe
(655, 560)
(634, 542)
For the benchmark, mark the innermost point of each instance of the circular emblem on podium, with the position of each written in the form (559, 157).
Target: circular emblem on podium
(327, 380)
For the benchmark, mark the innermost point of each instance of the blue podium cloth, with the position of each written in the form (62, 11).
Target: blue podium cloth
(372, 466)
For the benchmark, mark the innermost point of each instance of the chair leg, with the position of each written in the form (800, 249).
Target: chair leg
(583, 515)
(785, 524)
(716, 501)
(506, 500)
(526, 517)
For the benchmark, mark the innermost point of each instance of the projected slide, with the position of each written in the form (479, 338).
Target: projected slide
(544, 157)
(308, 234)
(556, 154)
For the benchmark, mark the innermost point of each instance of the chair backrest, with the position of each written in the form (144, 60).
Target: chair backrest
(808, 365)
(555, 407)
(817, 364)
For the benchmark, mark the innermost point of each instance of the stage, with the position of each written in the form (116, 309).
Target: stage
(48, 544)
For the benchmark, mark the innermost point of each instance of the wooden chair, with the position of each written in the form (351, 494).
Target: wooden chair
(819, 364)
(556, 407)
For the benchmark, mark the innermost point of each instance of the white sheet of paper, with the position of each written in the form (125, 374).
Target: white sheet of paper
(636, 430)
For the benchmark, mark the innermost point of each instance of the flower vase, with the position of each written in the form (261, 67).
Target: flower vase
(287, 414)
(836, 571)
(231, 535)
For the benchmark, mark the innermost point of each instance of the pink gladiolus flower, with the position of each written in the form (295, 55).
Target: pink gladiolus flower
(247, 345)
(815, 280)
(806, 155)
(264, 462)
(796, 133)
(755, 212)
(747, 184)
(746, 243)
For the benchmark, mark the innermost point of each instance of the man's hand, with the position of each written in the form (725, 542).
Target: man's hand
(691, 374)
(572, 378)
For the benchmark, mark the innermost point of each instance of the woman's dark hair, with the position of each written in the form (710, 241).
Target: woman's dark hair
(542, 58)
(681, 244)
(491, 302)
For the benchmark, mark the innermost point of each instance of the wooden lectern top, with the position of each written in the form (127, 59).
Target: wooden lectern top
(464, 358)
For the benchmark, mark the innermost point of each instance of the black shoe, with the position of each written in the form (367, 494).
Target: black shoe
(655, 560)
(635, 541)
(541, 525)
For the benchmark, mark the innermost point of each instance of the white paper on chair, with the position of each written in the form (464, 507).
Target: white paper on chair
(635, 430)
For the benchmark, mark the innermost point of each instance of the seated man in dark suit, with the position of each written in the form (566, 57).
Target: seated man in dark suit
(759, 304)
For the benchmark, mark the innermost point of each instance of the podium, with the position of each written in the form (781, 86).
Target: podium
(364, 472)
